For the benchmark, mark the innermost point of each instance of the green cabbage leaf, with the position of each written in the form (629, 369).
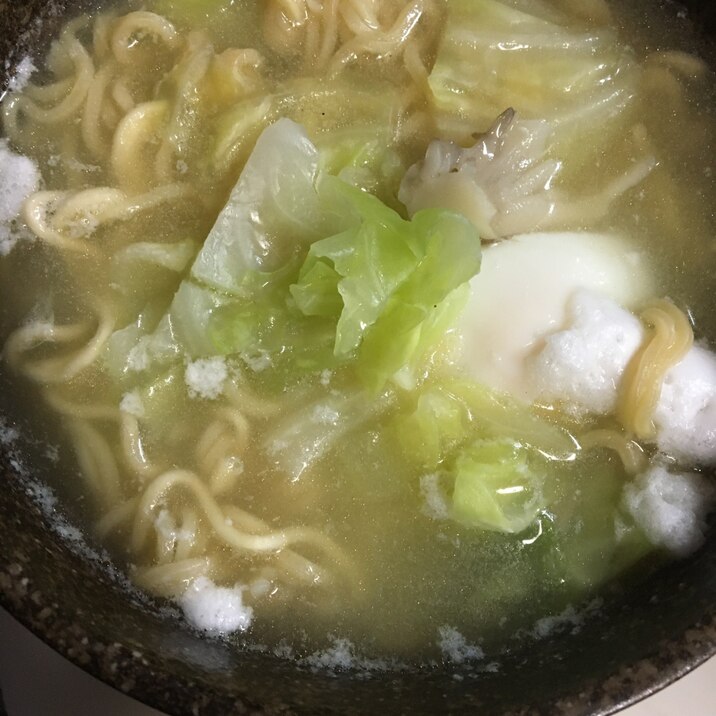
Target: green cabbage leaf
(496, 487)
(305, 272)
(391, 283)
(495, 54)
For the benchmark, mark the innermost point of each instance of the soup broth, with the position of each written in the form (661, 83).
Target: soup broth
(270, 454)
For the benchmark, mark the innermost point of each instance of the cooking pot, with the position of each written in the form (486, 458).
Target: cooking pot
(640, 640)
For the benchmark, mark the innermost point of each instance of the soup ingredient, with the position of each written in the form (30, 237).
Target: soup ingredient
(582, 368)
(300, 406)
(543, 271)
(582, 365)
(495, 488)
(507, 183)
(216, 610)
(528, 56)
(19, 177)
(386, 288)
(671, 507)
(398, 283)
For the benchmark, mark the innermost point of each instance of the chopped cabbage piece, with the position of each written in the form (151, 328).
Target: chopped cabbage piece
(381, 291)
(494, 55)
(395, 280)
(495, 487)
(450, 411)
(272, 209)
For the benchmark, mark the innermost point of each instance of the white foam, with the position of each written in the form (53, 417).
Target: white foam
(44, 497)
(569, 618)
(671, 507)
(258, 361)
(342, 656)
(455, 647)
(19, 177)
(132, 404)
(205, 377)
(23, 71)
(581, 367)
(685, 416)
(523, 292)
(435, 503)
(215, 610)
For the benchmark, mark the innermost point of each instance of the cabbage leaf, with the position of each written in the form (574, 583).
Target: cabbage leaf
(494, 55)
(396, 281)
(495, 487)
(449, 411)
(303, 271)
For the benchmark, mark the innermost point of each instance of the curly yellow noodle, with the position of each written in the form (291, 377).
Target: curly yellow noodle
(187, 77)
(133, 449)
(91, 126)
(140, 23)
(101, 32)
(189, 536)
(72, 102)
(294, 565)
(46, 94)
(135, 143)
(115, 516)
(60, 369)
(388, 42)
(685, 64)
(98, 466)
(282, 21)
(234, 74)
(122, 96)
(329, 40)
(220, 448)
(416, 68)
(37, 213)
(671, 338)
(110, 116)
(32, 335)
(661, 81)
(132, 205)
(85, 411)
(360, 16)
(242, 398)
(157, 491)
(629, 451)
(81, 212)
(168, 580)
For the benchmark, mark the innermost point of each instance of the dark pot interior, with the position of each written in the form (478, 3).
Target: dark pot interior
(639, 641)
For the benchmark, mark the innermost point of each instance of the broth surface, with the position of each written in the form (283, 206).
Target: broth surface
(376, 569)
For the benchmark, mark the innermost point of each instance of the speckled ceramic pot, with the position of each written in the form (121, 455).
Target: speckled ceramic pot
(640, 641)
